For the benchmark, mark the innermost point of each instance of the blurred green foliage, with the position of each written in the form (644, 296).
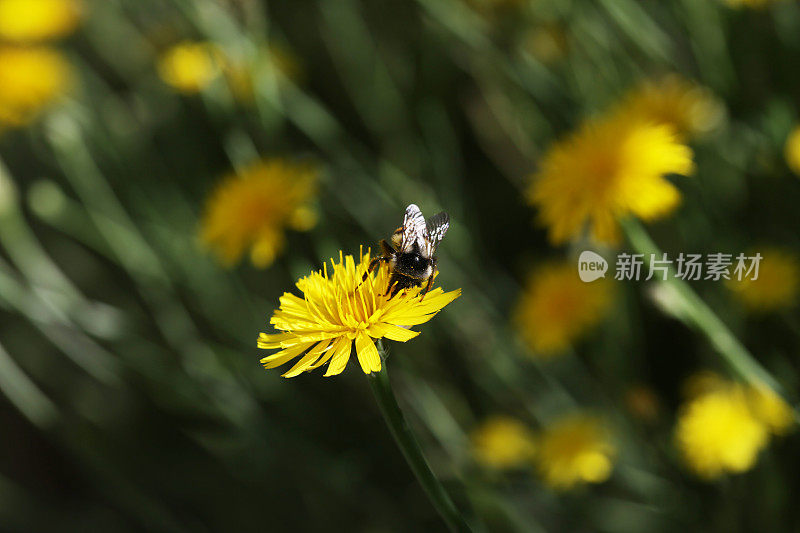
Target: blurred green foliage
(132, 397)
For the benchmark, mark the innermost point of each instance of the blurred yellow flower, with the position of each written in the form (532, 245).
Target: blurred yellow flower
(777, 285)
(688, 108)
(717, 433)
(556, 308)
(725, 424)
(35, 20)
(190, 66)
(575, 450)
(252, 209)
(337, 310)
(502, 442)
(792, 150)
(609, 168)
(241, 76)
(31, 78)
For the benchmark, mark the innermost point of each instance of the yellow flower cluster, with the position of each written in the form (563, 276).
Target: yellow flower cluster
(32, 75)
(556, 308)
(614, 166)
(338, 310)
(572, 451)
(252, 208)
(777, 285)
(724, 425)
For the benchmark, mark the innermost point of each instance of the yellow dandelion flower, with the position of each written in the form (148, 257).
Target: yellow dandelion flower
(31, 78)
(777, 285)
(190, 67)
(609, 168)
(252, 209)
(792, 150)
(718, 432)
(688, 108)
(575, 450)
(556, 308)
(338, 310)
(502, 442)
(36, 20)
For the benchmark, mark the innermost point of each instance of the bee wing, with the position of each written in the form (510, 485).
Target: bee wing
(435, 229)
(413, 229)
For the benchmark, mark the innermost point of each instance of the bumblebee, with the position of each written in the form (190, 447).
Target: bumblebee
(411, 256)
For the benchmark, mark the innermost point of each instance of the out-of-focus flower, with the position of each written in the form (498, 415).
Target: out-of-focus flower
(547, 43)
(502, 442)
(792, 150)
(189, 67)
(252, 208)
(777, 285)
(642, 402)
(688, 108)
(575, 450)
(717, 433)
(724, 425)
(241, 76)
(36, 20)
(338, 310)
(31, 78)
(556, 308)
(609, 168)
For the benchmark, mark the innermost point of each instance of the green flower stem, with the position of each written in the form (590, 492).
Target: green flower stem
(382, 389)
(697, 314)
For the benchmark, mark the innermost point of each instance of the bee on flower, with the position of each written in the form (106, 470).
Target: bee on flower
(251, 209)
(345, 306)
(610, 168)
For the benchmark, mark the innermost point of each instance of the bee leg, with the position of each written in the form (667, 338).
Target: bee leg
(387, 252)
(429, 284)
(372, 265)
